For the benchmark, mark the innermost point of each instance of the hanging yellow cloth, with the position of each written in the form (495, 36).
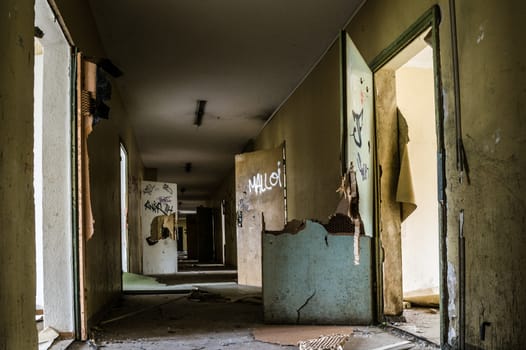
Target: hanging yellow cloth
(404, 193)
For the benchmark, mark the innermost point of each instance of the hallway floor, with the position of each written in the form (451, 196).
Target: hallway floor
(222, 316)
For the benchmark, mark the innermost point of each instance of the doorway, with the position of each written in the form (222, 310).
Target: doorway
(124, 207)
(408, 213)
(52, 176)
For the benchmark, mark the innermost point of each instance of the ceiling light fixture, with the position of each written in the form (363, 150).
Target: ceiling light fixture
(199, 112)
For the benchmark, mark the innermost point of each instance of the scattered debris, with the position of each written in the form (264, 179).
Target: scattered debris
(395, 319)
(249, 298)
(46, 337)
(204, 296)
(403, 345)
(324, 342)
(293, 334)
(429, 297)
(412, 337)
(133, 313)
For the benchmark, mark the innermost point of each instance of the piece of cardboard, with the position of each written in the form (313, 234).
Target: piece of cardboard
(291, 335)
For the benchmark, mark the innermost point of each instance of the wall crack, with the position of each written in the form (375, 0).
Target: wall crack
(302, 306)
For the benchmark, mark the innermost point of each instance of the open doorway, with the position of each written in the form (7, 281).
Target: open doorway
(52, 176)
(409, 207)
(124, 207)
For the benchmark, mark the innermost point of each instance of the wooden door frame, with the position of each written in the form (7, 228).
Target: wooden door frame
(430, 19)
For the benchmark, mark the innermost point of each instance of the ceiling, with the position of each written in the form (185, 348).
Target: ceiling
(243, 57)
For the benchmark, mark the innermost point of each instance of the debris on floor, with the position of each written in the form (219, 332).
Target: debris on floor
(429, 297)
(221, 316)
(423, 323)
(376, 338)
(325, 342)
(293, 334)
(204, 296)
(46, 337)
(208, 294)
(251, 298)
(136, 312)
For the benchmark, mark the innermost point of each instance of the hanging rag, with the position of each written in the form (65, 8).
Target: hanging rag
(404, 192)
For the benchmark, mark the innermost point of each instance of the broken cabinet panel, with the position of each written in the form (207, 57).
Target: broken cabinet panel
(260, 189)
(310, 277)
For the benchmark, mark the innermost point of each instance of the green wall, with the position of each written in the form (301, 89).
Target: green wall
(17, 242)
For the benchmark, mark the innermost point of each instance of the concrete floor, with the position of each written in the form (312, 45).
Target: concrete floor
(423, 322)
(176, 322)
(213, 316)
(207, 321)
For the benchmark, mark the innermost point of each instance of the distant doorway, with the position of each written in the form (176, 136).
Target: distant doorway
(124, 207)
(408, 198)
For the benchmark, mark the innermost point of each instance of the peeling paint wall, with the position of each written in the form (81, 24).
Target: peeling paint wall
(17, 245)
(103, 250)
(492, 75)
(310, 277)
(161, 257)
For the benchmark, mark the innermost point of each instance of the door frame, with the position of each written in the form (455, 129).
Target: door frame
(430, 19)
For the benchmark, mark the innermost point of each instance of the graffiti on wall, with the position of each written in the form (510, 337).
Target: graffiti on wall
(261, 183)
(360, 126)
(158, 199)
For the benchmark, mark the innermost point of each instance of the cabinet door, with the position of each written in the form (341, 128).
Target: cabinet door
(260, 189)
(360, 129)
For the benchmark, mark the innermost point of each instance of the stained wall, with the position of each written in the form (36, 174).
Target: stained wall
(492, 105)
(309, 123)
(17, 245)
(492, 110)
